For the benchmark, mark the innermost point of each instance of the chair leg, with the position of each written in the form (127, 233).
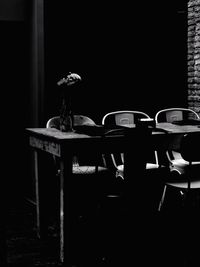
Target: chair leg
(162, 198)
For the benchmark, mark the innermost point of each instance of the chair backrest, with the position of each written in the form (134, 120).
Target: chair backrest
(174, 114)
(54, 122)
(84, 159)
(123, 117)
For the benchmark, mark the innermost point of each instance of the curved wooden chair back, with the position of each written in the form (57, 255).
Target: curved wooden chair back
(174, 114)
(123, 117)
(54, 122)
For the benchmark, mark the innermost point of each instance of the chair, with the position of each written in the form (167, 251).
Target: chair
(189, 181)
(126, 118)
(82, 164)
(171, 115)
(174, 114)
(88, 165)
(155, 171)
(79, 120)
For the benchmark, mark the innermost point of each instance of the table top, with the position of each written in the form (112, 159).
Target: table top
(54, 133)
(57, 134)
(178, 129)
(59, 143)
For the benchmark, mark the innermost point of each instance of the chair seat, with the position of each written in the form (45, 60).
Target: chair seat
(120, 171)
(180, 180)
(149, 166)
(180, 164)
(184, 185)
(88, 169)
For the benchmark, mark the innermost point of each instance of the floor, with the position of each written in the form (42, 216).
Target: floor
(112, 236)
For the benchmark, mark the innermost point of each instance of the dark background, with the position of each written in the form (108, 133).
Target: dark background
(130, 56)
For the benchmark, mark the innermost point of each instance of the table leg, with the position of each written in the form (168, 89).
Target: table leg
(37, 192)
(61, 211)
(65, 175)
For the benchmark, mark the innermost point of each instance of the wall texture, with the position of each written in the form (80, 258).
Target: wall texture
(194, 55)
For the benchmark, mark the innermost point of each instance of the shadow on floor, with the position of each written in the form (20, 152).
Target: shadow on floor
(113, 237)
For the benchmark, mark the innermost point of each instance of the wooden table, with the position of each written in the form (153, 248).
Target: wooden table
(178, 129)
(65, 145)
(176, 132)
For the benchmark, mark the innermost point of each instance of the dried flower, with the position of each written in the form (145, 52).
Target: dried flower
(71, 79)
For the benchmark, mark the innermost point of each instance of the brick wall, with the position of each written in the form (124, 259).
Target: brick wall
(194, 55)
